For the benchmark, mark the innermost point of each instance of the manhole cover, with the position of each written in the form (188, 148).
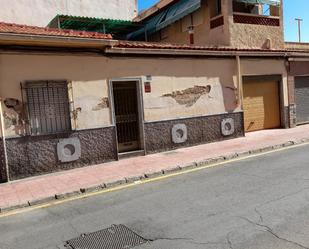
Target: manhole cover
(115, 237)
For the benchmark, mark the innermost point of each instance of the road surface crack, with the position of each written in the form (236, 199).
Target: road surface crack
(283, 197)
(229, 242)
(189, 240)
(271, 231)
(260, 215)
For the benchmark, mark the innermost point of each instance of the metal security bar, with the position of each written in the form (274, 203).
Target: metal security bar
(126, 112)
(48, 107)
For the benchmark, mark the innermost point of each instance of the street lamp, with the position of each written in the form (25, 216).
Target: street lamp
(299, 20)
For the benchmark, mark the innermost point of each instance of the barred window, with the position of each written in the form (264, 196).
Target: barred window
(48, 107)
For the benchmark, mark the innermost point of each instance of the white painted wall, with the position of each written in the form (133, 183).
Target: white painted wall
(41, 12)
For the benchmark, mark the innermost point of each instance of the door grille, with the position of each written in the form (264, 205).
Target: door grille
(126, 112)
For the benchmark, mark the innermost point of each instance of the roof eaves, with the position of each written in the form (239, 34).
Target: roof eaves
(26, 39)
(194, 52)
(153, 10)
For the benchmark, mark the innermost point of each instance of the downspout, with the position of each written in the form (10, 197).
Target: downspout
(240, 99)
(239, 83)
(4, 142)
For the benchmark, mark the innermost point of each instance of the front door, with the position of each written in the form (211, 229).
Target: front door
(127, 115)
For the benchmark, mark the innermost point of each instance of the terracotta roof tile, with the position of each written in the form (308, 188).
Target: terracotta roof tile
(156, 45)
(167, 46)
(33, 30)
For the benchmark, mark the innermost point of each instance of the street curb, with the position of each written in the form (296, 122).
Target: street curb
(151, 175)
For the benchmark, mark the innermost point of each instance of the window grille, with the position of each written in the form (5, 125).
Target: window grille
(48, 107)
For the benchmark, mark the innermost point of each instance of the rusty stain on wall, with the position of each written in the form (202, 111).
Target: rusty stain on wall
(189, 96)
(104, 103)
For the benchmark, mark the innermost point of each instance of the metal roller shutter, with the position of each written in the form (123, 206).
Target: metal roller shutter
(302, 99)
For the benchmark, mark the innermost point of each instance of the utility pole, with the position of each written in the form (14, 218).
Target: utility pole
(299, 20)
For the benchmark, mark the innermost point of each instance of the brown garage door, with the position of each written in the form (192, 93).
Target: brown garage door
(302, 99)
(261, 105)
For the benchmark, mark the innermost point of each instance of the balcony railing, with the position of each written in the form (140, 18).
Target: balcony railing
(216, 21)
(246, 18)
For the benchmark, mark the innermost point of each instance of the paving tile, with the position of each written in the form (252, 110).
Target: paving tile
(36, 190)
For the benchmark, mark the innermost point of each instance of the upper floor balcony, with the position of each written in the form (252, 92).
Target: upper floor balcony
(262, 12)
(247, 18)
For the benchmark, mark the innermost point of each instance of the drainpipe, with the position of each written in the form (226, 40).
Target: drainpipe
(4, 142)
(191, 31)
(239, 82)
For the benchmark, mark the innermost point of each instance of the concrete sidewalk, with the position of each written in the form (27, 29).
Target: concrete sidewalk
(33, 191)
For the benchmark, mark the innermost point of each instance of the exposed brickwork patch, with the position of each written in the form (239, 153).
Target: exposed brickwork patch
(103, 104)
(189, 96)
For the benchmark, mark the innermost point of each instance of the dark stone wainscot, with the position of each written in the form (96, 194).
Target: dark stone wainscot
(37, 155)
(3, 177)
(201, 130)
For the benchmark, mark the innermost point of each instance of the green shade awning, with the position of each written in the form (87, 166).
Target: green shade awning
(117, 28)
(270, 2)
(168, 16)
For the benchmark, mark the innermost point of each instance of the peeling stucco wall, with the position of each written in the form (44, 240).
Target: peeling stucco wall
(89, 77)
(41, 12)
(175, 97)
(92, 102)
(186, 87)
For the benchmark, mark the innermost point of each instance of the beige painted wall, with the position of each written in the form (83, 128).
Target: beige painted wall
(41, 12)
(203, 35)
(230, 34)
(183, 78)
(252, 67)
(297, 45)
(89, 77)
(182, 87)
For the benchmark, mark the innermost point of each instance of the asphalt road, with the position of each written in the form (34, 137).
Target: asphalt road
(262, 202)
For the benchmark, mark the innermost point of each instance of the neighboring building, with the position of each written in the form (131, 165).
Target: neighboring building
(73, 98)
(41, 12)
(234, 23)
(298, 81)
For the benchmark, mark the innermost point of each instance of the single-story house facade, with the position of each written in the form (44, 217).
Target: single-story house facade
(72, 99)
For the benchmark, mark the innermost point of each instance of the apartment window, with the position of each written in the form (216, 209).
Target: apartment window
(215, 8)
(218, 7)
(48, 107)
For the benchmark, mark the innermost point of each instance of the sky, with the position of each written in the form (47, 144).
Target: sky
(292, 9)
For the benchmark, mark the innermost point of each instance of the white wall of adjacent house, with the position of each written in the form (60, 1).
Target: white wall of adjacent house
(41, 12)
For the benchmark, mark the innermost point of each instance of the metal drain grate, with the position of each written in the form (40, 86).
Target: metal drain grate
(115, 237)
